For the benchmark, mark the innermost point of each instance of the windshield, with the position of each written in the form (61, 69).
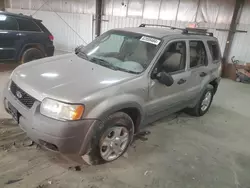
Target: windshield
(123, 51)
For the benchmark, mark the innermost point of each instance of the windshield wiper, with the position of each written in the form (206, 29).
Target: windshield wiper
(103, 63)
(125, 70)
(110, 65)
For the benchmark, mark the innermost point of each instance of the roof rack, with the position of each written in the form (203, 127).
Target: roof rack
(189, 31)
(158, 25)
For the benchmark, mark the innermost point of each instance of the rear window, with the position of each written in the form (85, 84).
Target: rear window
(8, 23)
(214, 50)
(27, 25)
(43, 28)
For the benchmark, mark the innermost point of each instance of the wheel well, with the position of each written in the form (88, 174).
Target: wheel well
(214, 83)
(135, 115)
(37, 46)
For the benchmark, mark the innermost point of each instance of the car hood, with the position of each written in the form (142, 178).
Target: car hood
(68, 78)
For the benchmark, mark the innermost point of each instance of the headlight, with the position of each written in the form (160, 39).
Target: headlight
(61, 111)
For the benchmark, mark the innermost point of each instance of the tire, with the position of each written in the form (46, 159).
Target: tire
(118, 120)
(31, 54)
(198, 110)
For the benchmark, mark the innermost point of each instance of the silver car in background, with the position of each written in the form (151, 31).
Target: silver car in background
(94, 101)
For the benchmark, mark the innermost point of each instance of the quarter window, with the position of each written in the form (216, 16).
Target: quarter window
(27, 25)
(214, 50)
(8, 23)
(198, 55)
(174, 58)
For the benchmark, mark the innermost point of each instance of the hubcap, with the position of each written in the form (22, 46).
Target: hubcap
(206, 101)
(113, 143)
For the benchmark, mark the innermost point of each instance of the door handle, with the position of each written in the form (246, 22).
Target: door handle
(181, 81)
(203, 74)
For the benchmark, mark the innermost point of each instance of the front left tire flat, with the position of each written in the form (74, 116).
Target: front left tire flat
(111, 139)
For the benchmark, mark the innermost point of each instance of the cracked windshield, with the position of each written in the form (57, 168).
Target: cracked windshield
(124, 93)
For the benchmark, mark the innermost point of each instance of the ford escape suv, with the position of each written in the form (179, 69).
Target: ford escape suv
(94, 101)
(23, 38)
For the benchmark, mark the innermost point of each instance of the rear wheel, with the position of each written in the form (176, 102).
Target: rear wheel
(204, 103)
(31, 54)
(111, 139)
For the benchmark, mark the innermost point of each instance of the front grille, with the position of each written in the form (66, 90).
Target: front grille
(21, 95)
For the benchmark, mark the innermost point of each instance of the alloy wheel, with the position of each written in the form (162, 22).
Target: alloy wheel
(113, 143)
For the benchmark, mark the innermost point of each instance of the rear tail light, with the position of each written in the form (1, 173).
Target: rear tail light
(51, 37)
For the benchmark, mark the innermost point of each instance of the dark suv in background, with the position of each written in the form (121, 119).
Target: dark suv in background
(23, 38)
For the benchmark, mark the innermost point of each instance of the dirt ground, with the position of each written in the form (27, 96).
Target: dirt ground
(180, 151)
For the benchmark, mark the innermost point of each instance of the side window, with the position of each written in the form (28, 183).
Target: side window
(8, 23)
(27, 25)
(214, 50)
(174, 58)
(198, 55)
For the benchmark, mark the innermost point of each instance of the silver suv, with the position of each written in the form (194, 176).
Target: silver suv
(92, 102)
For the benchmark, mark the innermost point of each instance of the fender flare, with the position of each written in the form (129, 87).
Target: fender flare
(105, 108)
(99, 115)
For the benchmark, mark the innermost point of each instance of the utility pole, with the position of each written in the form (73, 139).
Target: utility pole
(2, 5)
(233, 26)
(98, 18)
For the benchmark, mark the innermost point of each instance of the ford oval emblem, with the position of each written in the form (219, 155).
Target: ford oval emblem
(19, 94)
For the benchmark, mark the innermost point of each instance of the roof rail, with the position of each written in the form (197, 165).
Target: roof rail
(144, 25)
(194, 31)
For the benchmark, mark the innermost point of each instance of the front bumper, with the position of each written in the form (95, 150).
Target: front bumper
(62, 136)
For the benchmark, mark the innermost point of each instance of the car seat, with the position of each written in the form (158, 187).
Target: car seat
(173, 62)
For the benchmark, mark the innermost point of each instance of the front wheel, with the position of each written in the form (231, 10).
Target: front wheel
(204, 103)
(111, 139)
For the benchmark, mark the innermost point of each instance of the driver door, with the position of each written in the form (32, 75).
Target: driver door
(163, 99)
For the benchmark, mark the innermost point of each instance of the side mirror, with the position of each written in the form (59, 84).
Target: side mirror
(165, 78)
(78, 48)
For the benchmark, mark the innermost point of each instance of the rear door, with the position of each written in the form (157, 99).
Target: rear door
(198, 65)
(29, 33)
(9, 37)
